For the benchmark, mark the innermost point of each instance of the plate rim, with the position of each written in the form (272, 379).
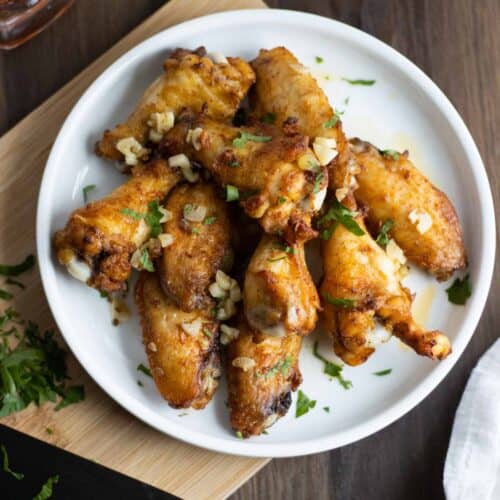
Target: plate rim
(232, 445)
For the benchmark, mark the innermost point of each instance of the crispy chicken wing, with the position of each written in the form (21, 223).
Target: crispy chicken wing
(182, 347)
(201, 233)
(190, 80)
(264, 168)
(97, 243)
(261, 376)
(361, 284)
(425, 225)
(279, 295)
(285, 89)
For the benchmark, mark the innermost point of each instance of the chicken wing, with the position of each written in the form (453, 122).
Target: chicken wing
(362, 283)
(260, 167)
(286, 91)
(99, 239)
(190, 80)
(425, 224)
(201, 244)
(279, 295)
(261, 376)
(182, 347)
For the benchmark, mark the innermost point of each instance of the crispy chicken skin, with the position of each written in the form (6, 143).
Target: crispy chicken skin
(287, 89)
(185, 367)
(261, 393)
(394, 189)
(358, 269)
(199, 249)
(272, 186)
(279, 295)
(99, 239)
(190, 80)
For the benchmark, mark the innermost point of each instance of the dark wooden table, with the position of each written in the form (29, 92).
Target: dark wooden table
(457, 43)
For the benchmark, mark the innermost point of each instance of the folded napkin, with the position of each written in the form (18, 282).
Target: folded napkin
(472, 468)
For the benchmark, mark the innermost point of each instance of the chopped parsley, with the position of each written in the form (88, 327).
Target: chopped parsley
(332, 369)
(195, 230)
(244, 137)
(269, 118)
(234, 163)
(383, 236)
(207, 333)
(346, 303)
(86, 190)
(326, 409)
(103, 295)
(140, 384)
(32, 371)
(209, 220)
(381, 373)
(144, 369)
(5, 295)
(326, 234)
(232, 193)
(145, 261)
(73, 395)
(152, 217)
(6, 467)
(304, 404)
(282, 366)
(318, 59)
(183, 414)
(10, 281)
(359, 82)
(460, 291)
(18, 269)
(49, 431)
(276, 259)
(338, 213)
(47, 488)
(239, 435)
(346, 100)
(317, 182)
(392, 154)
(265, 432)
(281, 200)
(132, 213)
(332, 121)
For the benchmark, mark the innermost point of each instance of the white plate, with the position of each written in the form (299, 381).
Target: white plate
(404, 109)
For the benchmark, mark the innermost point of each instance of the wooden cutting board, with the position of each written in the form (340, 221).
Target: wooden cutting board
(98, 429)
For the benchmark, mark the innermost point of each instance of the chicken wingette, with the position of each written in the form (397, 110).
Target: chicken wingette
(99, 239)
(200, 231)
(362, 283)
(424, 222)
(182, 347)
(275, 177)
(279, 295)
(190, 80)
(261, 377)
(286, 91)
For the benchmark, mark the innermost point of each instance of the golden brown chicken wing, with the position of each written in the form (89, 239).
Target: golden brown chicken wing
(182, 347)
(286, 91)
(260, 169)
(99, 239)
(261, 376)
(361, 284)
(201, 244)
(191, 80)
(279, 295)
(425, 224)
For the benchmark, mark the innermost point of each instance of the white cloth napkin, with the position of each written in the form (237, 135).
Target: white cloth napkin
(472, 468)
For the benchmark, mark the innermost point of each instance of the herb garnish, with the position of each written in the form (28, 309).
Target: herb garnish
(332, 121)
(383, 237)
(232, 193)
(392, 154)
(317, 182)
(6, 467)
(49, 431)
(145, 261)
(346, 303)
(140, 384)
(460, 291)
(5, 295)
(144, 369)
(32, 371)
(209, 220)
(269, 118)
(282, 366)
(332, 369)
(244, 137)
(381, 373)
(359, 82)
(239, 434)
(207, 333)
(152, 217)
(277, 259)
(318, 59)
(47, 488)
(86, 190)
(234, 164)
(10, 281)
(132, 213)
(73, 395)
(304, 404)
(195, 230)
(281, 200)
(18, 269)
(326, 409)
(341, 214)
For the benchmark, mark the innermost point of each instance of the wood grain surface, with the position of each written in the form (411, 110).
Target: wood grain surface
(457, 43)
